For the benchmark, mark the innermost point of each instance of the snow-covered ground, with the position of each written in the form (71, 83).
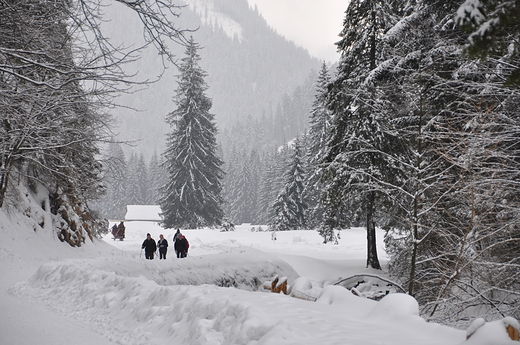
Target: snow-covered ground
(107, 293)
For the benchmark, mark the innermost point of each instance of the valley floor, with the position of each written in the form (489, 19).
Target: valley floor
(107, 293)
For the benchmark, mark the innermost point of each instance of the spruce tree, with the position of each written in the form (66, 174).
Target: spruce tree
(229, 189)
(454, 198)
(357, 157)
(157, 179)
(192, 197)
(133, 190)
(268, 190)
(320, 123)
(290, 205)
(494, 27)
(113, 204)
(142, 181)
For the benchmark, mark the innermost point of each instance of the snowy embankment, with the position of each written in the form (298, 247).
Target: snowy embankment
(134, 302)
(106, 293)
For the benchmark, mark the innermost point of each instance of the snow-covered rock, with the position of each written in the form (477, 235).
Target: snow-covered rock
(396, 305)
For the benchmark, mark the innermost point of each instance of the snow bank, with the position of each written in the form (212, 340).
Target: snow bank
(244, 268)
(132, 302)
(181, 314)
(397, 305)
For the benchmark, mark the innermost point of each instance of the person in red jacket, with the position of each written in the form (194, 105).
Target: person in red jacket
(181, 246)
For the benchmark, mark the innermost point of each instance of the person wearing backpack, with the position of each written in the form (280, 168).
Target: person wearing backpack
(181, 246)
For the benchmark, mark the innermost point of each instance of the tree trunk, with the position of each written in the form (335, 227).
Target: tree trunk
(415, 234)
(372, 259)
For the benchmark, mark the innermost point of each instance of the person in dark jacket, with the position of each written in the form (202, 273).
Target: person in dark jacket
(163, 247)
(176, 237)
(114, 231)
(149, 247)
(121, 230)
(181, 247)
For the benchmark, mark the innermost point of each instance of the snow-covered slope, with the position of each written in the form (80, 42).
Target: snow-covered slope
(210, 16)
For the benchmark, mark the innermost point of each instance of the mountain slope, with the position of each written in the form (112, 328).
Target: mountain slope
(249, 66)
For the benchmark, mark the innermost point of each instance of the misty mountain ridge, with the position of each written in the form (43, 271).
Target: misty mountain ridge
(210, 16)
(250, 68)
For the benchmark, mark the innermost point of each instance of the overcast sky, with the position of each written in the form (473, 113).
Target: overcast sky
(312, 24)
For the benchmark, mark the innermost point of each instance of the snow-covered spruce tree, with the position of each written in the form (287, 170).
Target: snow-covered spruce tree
(319, 131)
(481, 140)
(420, 51)
(256, 170)
(143, 180)
(192, 197)
(290, 205)
(268, 189)
(273, 181)
(244, 196)
(133, 189)
(113, 203)
(228, 190)
(357, 164)
(138, 190)
(494, 27)
(244, 205)
(157, 179)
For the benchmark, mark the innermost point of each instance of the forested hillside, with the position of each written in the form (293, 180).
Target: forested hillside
(250, 69)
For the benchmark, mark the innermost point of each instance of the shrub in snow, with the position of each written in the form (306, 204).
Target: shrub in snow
(228, 226)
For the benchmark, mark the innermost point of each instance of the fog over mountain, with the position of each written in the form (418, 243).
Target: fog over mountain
(250, 68)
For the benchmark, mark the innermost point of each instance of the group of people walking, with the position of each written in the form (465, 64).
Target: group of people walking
(181, 246)
(118, 231)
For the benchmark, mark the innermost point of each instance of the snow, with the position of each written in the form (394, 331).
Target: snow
(105, 292)
(469, 12)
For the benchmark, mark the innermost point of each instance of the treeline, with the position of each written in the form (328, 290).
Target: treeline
(422, 138)
(417, 133)
(128, 181)
(255, 152)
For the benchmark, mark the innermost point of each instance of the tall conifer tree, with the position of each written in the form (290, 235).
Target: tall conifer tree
(192, 194)
(357, 156)
(320, 123)
(290, 205)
